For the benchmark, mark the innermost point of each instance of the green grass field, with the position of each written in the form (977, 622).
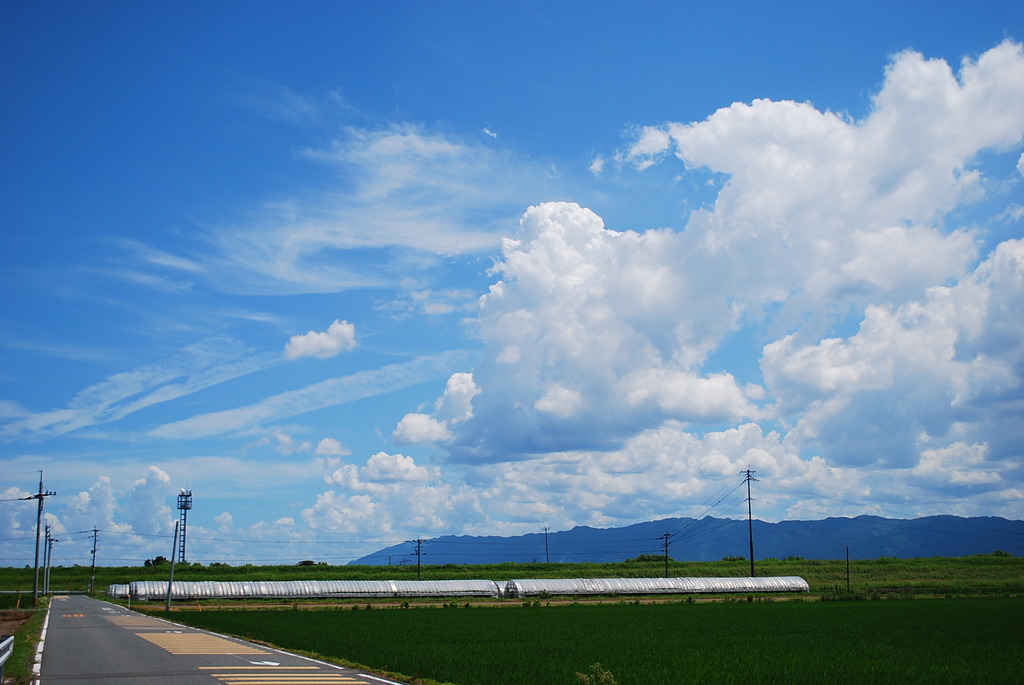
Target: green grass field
(21, 600)
(894, 641)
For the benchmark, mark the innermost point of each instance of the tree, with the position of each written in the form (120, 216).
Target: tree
(648, 558)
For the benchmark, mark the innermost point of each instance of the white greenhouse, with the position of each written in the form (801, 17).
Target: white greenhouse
(323, 589)
(308, 589)
(120, 590)
(652, 586)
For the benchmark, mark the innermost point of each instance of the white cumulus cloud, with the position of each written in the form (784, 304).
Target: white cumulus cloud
(887, 327)
(593, 333)
(329, 447)
(339, 337)
(416, 428)
(453, 407)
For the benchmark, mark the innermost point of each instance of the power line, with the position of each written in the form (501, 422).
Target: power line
(708, 507)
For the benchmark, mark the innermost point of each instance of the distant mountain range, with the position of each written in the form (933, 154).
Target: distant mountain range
(712, 539)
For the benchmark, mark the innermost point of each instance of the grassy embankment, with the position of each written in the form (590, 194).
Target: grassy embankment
(978, 574)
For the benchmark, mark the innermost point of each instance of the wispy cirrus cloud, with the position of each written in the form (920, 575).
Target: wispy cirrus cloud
(402, 197)
(276, 101)
(328, 393)
(200, 366)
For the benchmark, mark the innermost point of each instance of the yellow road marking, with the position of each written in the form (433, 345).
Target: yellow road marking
(289, 679)
(137, 622)
(72, 615)
(279, 675)
(242, 668)
(198, 643)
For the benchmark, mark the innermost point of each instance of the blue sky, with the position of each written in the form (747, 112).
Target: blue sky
(357, 273)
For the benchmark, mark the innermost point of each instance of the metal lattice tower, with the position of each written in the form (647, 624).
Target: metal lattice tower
(184, 504)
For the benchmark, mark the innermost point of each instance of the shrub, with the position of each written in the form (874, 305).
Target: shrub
(597, 676)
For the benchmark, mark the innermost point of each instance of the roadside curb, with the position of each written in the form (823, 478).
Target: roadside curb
(37, 664)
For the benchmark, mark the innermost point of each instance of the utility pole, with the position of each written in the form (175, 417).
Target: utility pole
(547, 557)
(92, 579)
(39, 522)
(49, 559)
(419, 549)
(49, 565)
(665, 537)
(750, 517)
(847, 569)
(46, 557)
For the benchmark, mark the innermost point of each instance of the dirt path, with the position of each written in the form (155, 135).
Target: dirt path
(11, 620)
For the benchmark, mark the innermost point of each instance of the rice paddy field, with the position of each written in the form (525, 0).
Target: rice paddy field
(956, 640)
(941, 620)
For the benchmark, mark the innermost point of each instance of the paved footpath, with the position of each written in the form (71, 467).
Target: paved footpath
(88, 641)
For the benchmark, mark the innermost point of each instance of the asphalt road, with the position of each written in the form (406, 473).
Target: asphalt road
(88, 641)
